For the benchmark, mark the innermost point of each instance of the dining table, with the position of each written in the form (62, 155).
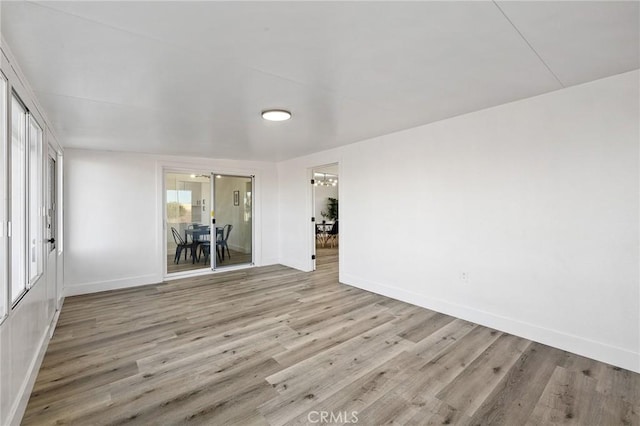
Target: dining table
(200, 234)
(197, 234)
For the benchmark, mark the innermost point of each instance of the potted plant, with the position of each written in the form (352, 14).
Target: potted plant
(332, 209)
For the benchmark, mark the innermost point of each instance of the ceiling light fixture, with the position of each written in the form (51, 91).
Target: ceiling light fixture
(325, 181)
(276, 114)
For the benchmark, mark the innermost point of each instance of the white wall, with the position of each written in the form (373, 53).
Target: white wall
(25, 332)
(536, 201)
(114, 209)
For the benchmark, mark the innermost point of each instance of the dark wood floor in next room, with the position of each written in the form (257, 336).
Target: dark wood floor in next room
(271, 345)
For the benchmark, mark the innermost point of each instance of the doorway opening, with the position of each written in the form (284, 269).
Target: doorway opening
(325, 210)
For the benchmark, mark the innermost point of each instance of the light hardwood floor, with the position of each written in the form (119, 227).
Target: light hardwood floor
(272, 345)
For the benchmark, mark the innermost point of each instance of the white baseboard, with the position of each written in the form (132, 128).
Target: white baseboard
(95, 287)
(268, 262)
(295, 265)
(20, 405)
(599, 351)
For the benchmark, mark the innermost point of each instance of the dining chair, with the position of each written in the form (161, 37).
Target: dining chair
(204, 248)
(200, 237)
(221, 242)
(320, 233)
(180, 245)
(333, 234)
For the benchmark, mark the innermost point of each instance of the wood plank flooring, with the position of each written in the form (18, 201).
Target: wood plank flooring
(274, 346)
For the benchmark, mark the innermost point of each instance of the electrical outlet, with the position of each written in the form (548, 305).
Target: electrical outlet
(464, 277)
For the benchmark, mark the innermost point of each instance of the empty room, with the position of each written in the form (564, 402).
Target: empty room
(173, 174)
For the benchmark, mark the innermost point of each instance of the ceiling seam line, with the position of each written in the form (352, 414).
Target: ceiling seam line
(200, 52)
(529, 44)
(97, 101)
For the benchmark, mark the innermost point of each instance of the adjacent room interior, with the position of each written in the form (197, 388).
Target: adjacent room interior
(320, 213)
(325, 194)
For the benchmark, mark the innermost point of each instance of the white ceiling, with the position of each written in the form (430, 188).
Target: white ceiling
(190, 78)
(331, 169)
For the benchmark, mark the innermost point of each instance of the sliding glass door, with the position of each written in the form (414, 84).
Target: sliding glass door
(188, 213)
(208, 221)
(233, 208)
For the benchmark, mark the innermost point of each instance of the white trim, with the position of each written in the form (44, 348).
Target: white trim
(98, 286)
(589, 348)
(299, 266)
(20, 403)
(269, 261)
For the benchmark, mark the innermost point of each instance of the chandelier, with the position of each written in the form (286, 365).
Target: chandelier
(326, 180)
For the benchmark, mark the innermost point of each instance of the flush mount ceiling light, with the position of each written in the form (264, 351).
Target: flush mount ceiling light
(276, 114)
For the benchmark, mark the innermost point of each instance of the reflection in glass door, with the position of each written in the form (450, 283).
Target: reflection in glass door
(188, 233)
(233, 207)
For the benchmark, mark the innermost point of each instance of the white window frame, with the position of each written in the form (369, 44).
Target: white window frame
(14, 296)
(4, 253)
(33, 205)
(38, 208)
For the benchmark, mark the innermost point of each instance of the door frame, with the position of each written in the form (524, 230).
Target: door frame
(312, 206)
(213, 236)
(164, 166)
(51, 254)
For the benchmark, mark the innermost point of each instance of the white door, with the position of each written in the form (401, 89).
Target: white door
(51, 232)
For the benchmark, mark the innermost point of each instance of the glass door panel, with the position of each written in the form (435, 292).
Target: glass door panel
(187, 206)
(233, 207)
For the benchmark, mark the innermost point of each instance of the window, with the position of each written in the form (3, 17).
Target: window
(27, 201)
(18, 198)
(3, 192)
(36, 206)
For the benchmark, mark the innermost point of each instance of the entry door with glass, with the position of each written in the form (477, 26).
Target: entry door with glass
(233, 218)
(52, 229)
